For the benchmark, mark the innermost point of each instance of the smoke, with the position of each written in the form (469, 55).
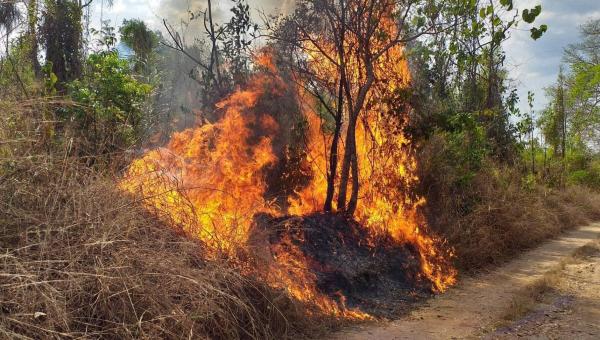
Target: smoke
(176, 11)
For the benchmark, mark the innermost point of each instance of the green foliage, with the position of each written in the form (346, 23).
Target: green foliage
(237, 37)
(137, 36)
(589, 176)
(529, 182)
(467, 146)
(112, 101)
(62, 33)
(16, 73)
(50, 79)
(537, 33)
(571, 121)
(529, 15)
(106, 37)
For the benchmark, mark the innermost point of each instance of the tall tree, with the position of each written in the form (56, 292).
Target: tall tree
(63, 35)
(347, 43)
(136, 35)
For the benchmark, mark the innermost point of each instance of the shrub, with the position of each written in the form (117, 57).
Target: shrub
(111, 103)
(499, 211)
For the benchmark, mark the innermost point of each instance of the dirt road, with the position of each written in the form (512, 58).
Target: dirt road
(473, 308)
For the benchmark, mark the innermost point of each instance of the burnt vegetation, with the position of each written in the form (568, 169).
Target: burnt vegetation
(270, 176)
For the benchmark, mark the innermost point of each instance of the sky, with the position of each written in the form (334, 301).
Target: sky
(533, 65)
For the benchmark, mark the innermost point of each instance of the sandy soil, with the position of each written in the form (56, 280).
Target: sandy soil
(571, 312)
(474, 306)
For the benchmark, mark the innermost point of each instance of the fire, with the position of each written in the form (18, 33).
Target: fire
(207, 179)
(385, 156)
(211, 181)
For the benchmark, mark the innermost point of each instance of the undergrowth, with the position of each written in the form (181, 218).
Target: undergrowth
(491, 213)
(81, 260)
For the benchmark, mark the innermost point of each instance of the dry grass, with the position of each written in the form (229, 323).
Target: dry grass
(528, 298)
(508, 220)
(495, 215)
(586, 251)
(80, 259)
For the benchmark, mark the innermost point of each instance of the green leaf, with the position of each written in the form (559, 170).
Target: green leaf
(507, 3)
(496, 22)
(537, 33)
(529, 15)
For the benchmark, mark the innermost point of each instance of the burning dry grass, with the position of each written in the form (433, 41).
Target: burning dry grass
(80, 259)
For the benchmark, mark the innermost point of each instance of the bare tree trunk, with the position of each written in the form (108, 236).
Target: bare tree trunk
(214, 57)
(32, 17)
(333, 154)
(345, 173)
(350, 156)
(355, 181)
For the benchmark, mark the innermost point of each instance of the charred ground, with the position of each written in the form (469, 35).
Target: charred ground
(358, 270)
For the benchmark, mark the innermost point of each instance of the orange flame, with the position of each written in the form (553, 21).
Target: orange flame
(207, 179)
(210, 180)
(386, 160)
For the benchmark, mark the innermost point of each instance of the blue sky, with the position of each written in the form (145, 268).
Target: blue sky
(533, 65)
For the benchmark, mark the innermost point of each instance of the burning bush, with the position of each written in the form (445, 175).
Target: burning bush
(213, 181)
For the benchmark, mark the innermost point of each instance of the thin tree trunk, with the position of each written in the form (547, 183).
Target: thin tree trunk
(355, 180)
(214, 64)
(345, 174)
(350, 156)
(33, 19)
(333, 154)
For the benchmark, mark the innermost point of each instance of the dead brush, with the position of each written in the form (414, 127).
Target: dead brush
(508, 220)
(492, 217)
(81, 260)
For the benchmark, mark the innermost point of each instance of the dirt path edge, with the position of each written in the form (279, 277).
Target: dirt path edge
(477, 302)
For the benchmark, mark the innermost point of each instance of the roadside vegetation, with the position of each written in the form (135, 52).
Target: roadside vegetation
(81, 258)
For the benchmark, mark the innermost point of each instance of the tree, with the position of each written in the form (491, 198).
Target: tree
(136, 35)
(343, 49)
(9, 14)
(224, 64)
(461, 69)
(111, 103)
(32, 20)
(63, 35)
(583, 80)
(237, 37)
(531, 129)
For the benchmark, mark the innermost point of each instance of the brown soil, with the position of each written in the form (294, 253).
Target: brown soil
(476, 304)
(571, 311)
